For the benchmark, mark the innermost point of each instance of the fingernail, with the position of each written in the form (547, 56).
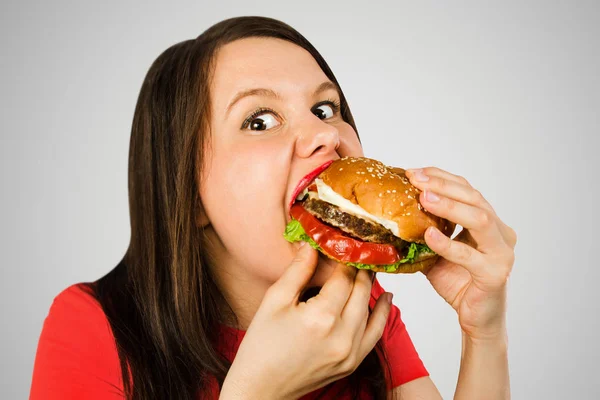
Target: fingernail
(432, 197)
(390, 296)
(434, 233)
(419, 175)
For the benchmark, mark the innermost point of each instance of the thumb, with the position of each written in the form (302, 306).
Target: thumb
(297, 275)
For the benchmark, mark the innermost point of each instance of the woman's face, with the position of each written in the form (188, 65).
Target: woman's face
(274, 119)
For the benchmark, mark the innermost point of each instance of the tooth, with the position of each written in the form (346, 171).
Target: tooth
(302, 194)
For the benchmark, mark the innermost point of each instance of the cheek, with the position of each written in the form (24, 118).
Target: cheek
(243, 194)
(242, 176)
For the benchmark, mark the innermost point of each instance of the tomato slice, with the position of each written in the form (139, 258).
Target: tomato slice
(342, 247)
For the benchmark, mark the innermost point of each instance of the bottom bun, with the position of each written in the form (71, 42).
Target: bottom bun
(411, 268)
(424, 261)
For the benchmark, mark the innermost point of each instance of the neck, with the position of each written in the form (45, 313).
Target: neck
(243, 294)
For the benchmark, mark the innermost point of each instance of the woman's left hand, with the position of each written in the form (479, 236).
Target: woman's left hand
(473, 270)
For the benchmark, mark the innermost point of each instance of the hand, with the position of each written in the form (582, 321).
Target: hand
(473, 270)
(292, 348)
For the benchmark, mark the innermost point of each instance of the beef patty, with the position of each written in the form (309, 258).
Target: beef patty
(354, 226)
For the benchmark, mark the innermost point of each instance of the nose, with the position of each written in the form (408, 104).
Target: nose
(317, 136)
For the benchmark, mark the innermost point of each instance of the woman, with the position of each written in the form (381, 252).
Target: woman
(225, 127)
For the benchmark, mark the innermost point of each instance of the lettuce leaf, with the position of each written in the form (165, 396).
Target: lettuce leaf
(295, 233)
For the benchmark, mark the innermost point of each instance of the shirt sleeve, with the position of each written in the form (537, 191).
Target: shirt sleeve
(404, 361)
(76, 355)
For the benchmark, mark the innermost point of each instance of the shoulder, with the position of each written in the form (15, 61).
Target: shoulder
(75, 313)
(76, 348)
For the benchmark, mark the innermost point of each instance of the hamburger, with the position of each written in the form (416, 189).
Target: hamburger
(364, 214)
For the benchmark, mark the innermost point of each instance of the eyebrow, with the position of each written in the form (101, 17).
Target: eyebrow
(327, 85)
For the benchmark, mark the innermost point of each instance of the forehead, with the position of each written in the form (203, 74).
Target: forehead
(266, 63)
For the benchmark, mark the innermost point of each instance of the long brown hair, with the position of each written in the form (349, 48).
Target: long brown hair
(161, 300)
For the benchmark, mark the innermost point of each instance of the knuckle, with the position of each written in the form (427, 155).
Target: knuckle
(512, 237)
(341, 352)
(450, 204)
(478, 197)
(484, 219)
(509, 258)
(462, 180)
(440, 184)
(501, 278)
(350, 364)
(320, 323)
(464, 254)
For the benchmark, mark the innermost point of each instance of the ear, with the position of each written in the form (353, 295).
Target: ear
(200, 214)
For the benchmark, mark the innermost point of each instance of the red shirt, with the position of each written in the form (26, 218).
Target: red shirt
(77, 356)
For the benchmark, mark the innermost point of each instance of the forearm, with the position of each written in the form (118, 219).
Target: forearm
(483, 370)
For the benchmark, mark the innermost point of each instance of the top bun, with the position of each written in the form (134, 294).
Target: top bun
(384, 192)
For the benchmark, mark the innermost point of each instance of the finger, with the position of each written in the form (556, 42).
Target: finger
(456, 252)
(375, 325)
(356, 310)
(434, 171)
(509, 234)
(480, 222)
(337, 289)
(450, 189)
(288, 288)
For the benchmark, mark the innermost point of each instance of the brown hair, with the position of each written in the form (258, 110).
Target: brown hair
(161, 300)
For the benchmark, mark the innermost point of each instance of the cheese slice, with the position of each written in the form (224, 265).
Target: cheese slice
(327, 194)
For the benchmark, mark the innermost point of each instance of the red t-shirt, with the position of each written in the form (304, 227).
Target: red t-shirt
(77, 356)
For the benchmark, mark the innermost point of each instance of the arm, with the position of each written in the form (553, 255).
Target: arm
(483, 370)
(483, 374)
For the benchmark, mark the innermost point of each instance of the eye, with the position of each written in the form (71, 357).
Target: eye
(326, 109)
(260, 120)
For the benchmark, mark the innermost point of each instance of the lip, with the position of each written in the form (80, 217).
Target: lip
(304, 182)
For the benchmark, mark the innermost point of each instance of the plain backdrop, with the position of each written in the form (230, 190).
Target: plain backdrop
(506, 94)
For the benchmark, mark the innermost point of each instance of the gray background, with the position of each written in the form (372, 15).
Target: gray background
(505, 94)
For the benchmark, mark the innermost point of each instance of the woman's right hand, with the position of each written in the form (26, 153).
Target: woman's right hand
(292, 348)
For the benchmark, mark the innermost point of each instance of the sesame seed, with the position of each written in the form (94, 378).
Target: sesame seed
(407, 213)
(366, 181)
(409, 196)
(380, 194)
(341, 168)
(401, 203)
(394, 191)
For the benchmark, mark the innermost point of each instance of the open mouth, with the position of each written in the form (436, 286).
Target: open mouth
(306, 182)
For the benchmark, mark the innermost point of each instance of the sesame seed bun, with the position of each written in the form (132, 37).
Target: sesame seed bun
(387, 193)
